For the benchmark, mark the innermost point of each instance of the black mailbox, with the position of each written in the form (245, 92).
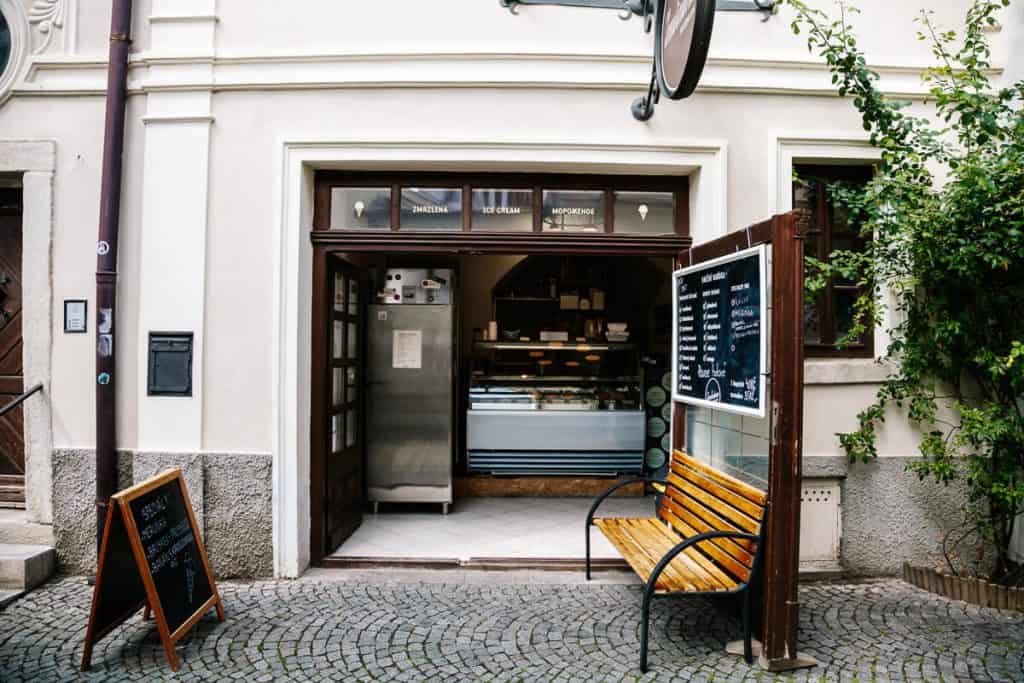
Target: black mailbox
(170, 364)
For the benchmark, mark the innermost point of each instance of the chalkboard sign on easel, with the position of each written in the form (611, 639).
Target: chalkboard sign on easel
(152, 556)
(718, 329)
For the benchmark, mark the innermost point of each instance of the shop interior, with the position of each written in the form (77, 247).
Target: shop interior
(502, 393)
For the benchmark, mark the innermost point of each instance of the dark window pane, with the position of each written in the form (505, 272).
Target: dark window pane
(573, 211)
(812, 321)
(843, 307)
(431, 209)
(841, 221)
(804, 194)
(338, 387)
(353, 297)
(360, 208)
(503, 210)
(337, 340)
(339, 292)
(644, 212)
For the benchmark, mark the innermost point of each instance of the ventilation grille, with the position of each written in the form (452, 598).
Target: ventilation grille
(534, 462)
(820, 522)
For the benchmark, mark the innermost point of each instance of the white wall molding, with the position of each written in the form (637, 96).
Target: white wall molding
(562, 71)
(196, 118)
(36, 162)
(182, 18)
(845, 371)
(53, 25)
(703, 162)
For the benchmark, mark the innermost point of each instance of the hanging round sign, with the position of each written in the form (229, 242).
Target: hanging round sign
(682, 37)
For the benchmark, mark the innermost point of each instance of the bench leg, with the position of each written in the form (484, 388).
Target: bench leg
(747, 650)
(645, 617)
(588, 550)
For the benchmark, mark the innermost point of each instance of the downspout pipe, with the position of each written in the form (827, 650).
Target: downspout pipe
(106, 260)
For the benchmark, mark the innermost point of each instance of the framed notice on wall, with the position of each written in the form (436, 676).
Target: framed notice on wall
(719, 338)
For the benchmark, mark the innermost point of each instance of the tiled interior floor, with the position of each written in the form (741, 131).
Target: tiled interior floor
(536, 528)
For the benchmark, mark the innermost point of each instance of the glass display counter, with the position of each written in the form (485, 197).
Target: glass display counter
(555, 408)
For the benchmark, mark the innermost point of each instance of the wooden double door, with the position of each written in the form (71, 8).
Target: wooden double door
(12, 381)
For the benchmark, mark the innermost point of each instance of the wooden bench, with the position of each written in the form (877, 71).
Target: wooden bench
(706, 539)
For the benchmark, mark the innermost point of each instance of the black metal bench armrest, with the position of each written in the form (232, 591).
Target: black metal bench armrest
(600, 499)
(652, 580)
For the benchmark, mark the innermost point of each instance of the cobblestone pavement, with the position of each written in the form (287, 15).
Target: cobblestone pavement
(362, 629)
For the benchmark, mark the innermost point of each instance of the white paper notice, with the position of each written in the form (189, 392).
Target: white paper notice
(407, 349)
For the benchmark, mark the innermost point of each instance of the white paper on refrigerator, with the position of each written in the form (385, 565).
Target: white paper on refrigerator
(407, 349)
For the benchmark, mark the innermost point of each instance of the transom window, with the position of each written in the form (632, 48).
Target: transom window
(501, 203)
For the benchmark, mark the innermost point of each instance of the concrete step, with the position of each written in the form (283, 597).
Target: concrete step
(9, 596)
(23, 567)
(16, 528)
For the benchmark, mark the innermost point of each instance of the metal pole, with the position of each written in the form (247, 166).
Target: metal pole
(106, 259)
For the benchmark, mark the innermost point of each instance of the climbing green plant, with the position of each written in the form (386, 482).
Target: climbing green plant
(945, 217)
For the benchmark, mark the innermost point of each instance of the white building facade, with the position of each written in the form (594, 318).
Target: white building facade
(234, 106)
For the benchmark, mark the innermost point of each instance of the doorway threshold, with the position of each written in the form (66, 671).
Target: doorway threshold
(554, 564)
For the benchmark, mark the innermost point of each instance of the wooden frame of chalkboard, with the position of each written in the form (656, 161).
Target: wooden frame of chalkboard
(724, 322)
(153, 568)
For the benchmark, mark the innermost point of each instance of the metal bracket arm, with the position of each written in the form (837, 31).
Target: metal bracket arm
(628, 7)
(638, 6)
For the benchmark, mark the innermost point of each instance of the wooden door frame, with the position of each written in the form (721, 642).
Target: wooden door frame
(13, 384)
(781, 609)
(32, 165)
(448, 244)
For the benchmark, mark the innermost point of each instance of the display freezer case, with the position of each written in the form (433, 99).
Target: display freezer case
(555, 408)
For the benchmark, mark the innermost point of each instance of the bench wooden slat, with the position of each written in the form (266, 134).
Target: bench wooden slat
(695, 513)
(652, 535)
(731, 483)
(643, 542)
(706, 566)
(697, 516)
(700, 501)
(753, 510)
(639, 558)
(725, 552)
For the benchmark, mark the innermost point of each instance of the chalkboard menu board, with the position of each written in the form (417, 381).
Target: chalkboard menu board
(172, 553)
(719, 337)
(152, 556)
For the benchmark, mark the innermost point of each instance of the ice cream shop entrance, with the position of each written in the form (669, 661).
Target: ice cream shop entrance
(497, 347)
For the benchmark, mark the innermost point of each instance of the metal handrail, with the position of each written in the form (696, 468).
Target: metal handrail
(18, 400)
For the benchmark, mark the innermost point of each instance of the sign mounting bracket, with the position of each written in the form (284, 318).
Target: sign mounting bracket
(682, 35)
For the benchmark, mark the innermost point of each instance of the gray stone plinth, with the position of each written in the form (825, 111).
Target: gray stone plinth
(239, 514)
(146, 465)
(230, 493)
(74, 506)
(891, 517)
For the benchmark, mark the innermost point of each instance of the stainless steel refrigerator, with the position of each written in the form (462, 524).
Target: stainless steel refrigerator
(411, 396)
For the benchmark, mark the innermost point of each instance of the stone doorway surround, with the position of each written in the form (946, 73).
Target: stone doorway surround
(33, 162)
(703, 161)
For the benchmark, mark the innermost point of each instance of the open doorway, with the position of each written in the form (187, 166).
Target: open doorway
(474, 404)
(510, 357)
